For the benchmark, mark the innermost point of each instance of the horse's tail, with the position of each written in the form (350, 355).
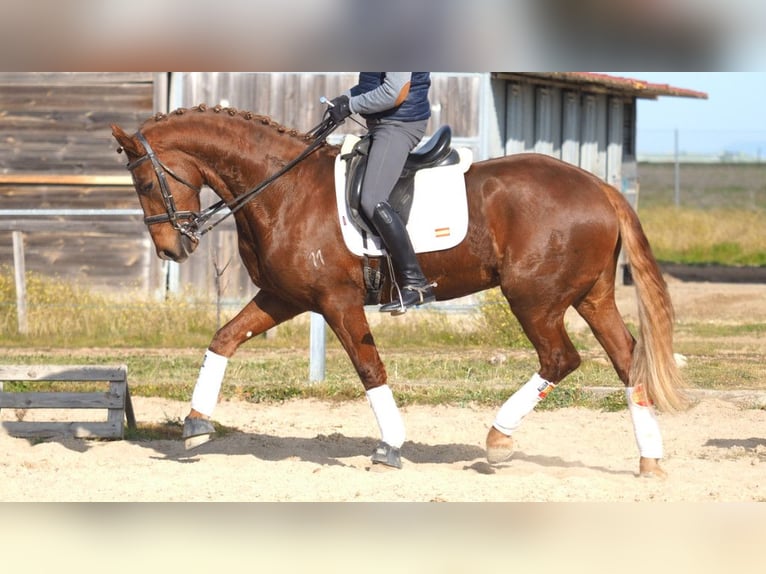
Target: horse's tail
(654, 366)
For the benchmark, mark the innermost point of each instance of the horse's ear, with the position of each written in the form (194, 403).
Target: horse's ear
(125, 141)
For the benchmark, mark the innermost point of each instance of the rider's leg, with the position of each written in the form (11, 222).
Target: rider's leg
(391, 143)
(415, 288)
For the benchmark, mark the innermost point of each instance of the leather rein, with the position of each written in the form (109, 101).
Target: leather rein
(194, 225)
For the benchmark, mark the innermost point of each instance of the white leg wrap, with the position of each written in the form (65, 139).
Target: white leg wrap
(387, 414)
(205, 395)
(645, 425)
(521, 403)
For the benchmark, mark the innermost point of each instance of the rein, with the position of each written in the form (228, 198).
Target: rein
(197, 224)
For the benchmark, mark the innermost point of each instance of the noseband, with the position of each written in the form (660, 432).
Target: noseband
(185, 222)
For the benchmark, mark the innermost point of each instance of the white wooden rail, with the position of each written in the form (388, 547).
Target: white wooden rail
(115, 399)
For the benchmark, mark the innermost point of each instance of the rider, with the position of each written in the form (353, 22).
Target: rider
(396, 108)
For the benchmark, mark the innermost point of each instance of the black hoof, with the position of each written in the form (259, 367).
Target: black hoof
(387, 455)
(196, 432)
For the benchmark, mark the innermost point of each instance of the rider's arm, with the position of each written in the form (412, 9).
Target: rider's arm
(392, 92)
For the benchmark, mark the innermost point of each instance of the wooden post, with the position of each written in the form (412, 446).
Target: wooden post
(19, 274)
(677, 170)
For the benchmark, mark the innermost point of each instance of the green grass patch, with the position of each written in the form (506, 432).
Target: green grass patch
(721, 330)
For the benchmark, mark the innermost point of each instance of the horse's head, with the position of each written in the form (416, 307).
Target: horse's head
(168, 196)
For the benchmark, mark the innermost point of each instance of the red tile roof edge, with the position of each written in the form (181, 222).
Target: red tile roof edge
(639, 87)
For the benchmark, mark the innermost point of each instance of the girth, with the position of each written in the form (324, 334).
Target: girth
(373, 280)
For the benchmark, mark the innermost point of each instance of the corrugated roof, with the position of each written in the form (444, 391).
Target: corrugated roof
(606, 83)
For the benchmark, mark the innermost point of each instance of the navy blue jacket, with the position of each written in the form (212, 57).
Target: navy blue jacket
(415, 106)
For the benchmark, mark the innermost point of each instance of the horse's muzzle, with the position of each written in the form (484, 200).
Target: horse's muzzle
(180, 252)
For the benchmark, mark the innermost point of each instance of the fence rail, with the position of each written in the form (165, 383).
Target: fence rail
(95, 220)
(64, 179)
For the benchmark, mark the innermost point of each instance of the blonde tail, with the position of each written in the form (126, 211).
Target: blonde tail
(654, 366)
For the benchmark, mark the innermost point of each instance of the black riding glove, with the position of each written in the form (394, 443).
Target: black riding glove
(339, 109)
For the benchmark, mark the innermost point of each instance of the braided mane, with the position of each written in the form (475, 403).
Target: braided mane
(233, 113)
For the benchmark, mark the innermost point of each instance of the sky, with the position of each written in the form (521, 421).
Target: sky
(733, 118)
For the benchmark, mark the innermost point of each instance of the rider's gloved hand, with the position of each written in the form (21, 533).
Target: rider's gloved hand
(339, 110)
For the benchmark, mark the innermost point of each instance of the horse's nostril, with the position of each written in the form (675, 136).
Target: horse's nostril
(178, 256)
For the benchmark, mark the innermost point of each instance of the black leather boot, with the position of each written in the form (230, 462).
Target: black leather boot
(415, 288)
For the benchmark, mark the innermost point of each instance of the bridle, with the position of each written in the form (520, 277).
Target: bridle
(194, 225)
(185, 222)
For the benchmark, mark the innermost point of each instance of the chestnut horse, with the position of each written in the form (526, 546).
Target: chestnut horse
(547, 232)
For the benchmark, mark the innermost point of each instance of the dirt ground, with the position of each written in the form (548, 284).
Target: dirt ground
(308, 450)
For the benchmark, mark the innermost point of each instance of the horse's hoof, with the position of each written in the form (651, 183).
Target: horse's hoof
(650, 468)
(388, 455)
(499, 446)
(195, 441)
(196, 432)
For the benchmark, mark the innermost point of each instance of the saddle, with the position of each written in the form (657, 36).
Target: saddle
(429, 196)
(437, 151)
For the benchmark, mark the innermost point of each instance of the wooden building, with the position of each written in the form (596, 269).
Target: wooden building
(65, 188)
(61, 181)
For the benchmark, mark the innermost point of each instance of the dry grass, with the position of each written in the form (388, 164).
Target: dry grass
(718, 235)
(720, 218)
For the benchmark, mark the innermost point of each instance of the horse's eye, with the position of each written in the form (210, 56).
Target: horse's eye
(146, 187)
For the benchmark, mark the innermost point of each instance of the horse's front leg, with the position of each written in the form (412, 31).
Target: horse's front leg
(350, 325)
(263, 312)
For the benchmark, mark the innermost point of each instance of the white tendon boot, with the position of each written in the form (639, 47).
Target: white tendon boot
(645, 425)
(521, 403)
(510, 415)
(391, 426)
(197, 431)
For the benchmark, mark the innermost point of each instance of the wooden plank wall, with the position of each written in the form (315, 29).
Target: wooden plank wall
(57, 152)
(59, 122)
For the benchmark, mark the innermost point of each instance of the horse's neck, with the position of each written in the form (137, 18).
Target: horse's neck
(236, 170)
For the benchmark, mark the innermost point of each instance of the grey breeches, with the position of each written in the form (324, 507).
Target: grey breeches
(391, 142)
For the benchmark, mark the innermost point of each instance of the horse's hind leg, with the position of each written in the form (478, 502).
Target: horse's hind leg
(599, 310)
(259, 315)
(545, 329)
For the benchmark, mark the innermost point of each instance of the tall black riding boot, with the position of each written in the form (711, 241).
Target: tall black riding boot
(415, 288)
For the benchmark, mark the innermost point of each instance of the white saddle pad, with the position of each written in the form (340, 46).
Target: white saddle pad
(439, 215)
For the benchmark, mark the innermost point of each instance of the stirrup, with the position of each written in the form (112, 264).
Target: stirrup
(398, 306)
